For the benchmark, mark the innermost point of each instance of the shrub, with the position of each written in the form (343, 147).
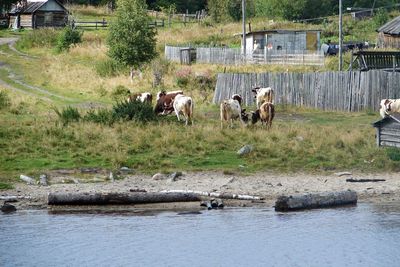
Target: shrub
(183, 76)
(102, 116)
(45, 37)
(67, 37)
(68, 115)
(133, 110)
(4, 100)
(120, 93)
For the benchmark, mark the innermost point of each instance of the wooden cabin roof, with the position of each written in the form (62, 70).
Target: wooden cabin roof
(392, 27)
(395, 117)
(33, 6)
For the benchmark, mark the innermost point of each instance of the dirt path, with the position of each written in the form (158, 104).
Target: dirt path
(34, 90)
(265, 184)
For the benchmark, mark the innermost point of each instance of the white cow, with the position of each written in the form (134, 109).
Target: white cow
(263, 95)
(184, 105)
(388, 106)
(230, 110)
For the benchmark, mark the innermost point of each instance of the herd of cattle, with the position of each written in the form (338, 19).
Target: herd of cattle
(230, 109)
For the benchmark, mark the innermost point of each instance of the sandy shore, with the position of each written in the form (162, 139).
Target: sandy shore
(264, 184)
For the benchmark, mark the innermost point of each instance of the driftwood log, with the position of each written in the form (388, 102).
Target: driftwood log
(351, 180)
(216, 195)
(313, 201)
(117, 198)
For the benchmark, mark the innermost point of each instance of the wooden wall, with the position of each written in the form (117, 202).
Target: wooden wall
(336, 91)
(388, 134)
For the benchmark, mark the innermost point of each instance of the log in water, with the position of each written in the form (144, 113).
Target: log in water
(117, 198)
(313, 201)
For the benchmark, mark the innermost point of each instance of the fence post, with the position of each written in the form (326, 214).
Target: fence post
(394, 63)
(96, 25)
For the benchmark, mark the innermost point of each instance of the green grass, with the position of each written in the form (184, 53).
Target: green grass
(5, 186)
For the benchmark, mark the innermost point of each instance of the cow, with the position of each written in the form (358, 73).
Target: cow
(263, 95)
(230, 110)
(388, 106)
(165, 102)
(184, 105)
(265, 113)
(142, 97)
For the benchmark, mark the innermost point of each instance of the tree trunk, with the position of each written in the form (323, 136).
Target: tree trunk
(313, 201)
(117, 198)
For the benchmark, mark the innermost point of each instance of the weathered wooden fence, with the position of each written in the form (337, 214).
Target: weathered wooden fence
(228, 56)
(336, 91)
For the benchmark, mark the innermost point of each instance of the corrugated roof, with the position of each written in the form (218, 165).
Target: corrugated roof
(392, 27)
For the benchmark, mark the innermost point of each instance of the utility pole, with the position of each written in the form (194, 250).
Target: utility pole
(244, 28)
(340, 35)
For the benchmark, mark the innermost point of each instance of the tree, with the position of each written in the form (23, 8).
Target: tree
(131, 41)
(5, 5)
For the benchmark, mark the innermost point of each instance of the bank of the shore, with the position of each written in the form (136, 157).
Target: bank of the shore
(264, 184)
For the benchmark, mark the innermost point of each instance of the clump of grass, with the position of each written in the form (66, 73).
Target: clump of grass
(101, 116)
(68, 115)
(120, 93)
(108, 68)
(393, 153)
(5, 101)
(45, 37)
(5, 186)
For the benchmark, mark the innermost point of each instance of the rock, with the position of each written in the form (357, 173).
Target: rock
(90, 170)
(137, 190)
(214, 203)
(111, 177)
(43, 180)
(189, 213)
(126, 170)
(278, 184)
(27, 179)
(174, 176)
(6, 208)
(300, 138)
(220, 204)
(158, 176)
(245, 150)
(342, 173)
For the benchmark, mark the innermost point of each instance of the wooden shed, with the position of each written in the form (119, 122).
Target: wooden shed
(388, 131)
(291, 41)
(37, 14)
(389, 34)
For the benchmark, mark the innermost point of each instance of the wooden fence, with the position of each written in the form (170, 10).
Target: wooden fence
(233, 56)
(335, 91)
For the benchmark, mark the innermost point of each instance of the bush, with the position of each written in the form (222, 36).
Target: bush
(102, 116)
(108, 68)
(67, 37)
(38, 38)
(4, 100)
(68, 115)
(120, 93)
(133, 110)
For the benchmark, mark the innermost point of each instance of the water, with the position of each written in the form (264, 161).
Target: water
(363, 235)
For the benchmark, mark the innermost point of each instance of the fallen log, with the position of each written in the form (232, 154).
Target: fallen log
(117, 198)
(13, 198)
(351, 180)
(313, 201)
(216, 195)
(27, 179)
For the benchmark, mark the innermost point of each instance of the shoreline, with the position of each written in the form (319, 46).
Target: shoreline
(264, 184)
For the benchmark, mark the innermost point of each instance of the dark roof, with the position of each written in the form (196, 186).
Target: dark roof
(392, 27)
(31, 7)
(392, 117)
(280, 31)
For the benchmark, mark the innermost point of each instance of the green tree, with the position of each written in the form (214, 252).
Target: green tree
(5, 5)
(131, 41)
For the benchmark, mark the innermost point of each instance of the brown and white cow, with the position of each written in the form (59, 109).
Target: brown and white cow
(263, 95)
(265, 113)
(230, 110)
(389, 106)
(165, 102)
(142, 97)
(184, 105)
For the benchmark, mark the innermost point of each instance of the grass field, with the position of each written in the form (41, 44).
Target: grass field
(33, 140)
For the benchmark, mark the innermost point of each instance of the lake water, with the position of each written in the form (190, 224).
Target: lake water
(362, 235)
